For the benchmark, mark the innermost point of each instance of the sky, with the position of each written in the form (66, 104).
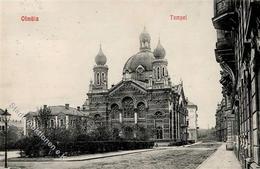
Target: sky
(50, 61)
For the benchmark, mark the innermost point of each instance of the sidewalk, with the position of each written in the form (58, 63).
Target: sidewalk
(11, 154)
(221, 159)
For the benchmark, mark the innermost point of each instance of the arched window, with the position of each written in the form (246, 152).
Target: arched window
(114, 111)
(61, 122)
(128, 107)
(52, 123)
(158, 73)
(163, 71)
(103, 77)
(141, 110)
(98, 78)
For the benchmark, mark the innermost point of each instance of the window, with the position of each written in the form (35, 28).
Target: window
(52, 124)
(141, 110)
(97, 119)
(29, 123)
(158, 73)
(61, 122)
(36, 123)
(103, 77)
(128, 107)
(164, 73)
(98, 79)
(2, 128)
(114, 111)
(71, 123)
(158, 114)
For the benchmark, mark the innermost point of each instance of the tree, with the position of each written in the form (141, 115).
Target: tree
(142, 133)
(44, 117)
(102, 133)
(13, 135)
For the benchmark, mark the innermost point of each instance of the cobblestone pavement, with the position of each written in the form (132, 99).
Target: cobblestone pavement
(168, 158)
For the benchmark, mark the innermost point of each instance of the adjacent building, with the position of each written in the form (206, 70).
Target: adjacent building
(193, 122)
(145, 97)
(237, 23)
(61, 116)
(221, 122)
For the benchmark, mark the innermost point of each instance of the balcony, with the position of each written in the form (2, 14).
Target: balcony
(225, 46)
(225, 17)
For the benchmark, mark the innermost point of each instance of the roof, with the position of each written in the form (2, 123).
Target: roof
(191, 104)
(1, 111)
(55, 110)
(144, 58)
(140, 84)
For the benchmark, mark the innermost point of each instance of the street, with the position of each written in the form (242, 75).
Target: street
(165, 158)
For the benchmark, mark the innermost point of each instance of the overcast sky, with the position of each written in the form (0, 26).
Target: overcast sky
(51, 61)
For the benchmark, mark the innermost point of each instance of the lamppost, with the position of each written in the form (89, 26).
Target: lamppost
(6, 117)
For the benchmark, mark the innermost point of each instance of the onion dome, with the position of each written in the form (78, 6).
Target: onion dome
(101, 58)
(144, 36)
(159, 51)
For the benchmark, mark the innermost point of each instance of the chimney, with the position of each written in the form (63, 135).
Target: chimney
(45, 106)
(78, 108)
(67, 106)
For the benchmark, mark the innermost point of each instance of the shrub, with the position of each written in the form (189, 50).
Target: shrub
(32, 147)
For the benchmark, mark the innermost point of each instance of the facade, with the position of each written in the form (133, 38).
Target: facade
(63, 117)
(238, 51)
(11, 122)
(193, 122)
(144, 98)
(221, 122)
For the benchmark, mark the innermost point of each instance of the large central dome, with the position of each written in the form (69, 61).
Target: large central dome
(143, 58)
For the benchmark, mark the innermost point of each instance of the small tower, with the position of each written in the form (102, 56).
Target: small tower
(160, 72)
(100, 72)
(145, 39)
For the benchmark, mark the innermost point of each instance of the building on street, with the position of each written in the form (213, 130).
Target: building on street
(193, 122)
(237, 23)
(145, 97)
(59, 117)
(221, 122)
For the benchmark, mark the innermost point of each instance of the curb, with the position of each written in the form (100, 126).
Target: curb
(105, 156)
(92, 158)
(211, 156)
(193, 144)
